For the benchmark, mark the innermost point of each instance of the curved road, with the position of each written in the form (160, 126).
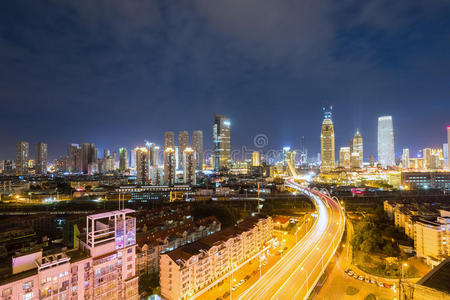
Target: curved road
(296, 273)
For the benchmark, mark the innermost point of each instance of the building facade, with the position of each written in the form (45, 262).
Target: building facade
(22, 156)
(197, 145)
(222, 143)
(41, 159)
(327, 143)
(386, 154)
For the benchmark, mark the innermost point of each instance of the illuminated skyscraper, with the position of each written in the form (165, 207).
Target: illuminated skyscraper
(88, 156)
(344, 157)
(386, 154)
(41, 159)
(74, 161)
(197, 145)
(169, 166)
(405, 158)
(154, 153)
(189, 166)
(356, 149)
(427, 158)
(448, 146)
(123, 159)
(255, 159)
(222, 142)
(142, 170)
(327, 147)
(169, 139)
(23, 151)
(183, 143)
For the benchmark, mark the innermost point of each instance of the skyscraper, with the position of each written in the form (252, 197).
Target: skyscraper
(142, 170)
(169, 139)
(197, 145)
(344, 157)
(427, 158)
(356, 149)
(88, 157)
(222, 142)
(74, 160)
(189, 166)
(405, 158)
(327, 148)
(169, 166)
(386, 154)
(183, 143)
(255, 159)
(41, 159)
(123, 159)
(23, 151)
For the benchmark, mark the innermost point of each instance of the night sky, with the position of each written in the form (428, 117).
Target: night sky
(118, 72)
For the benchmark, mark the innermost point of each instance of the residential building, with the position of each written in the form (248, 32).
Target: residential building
(22, 151)
(386, 154)
(197, 145)
(183, 143)
(41, 159)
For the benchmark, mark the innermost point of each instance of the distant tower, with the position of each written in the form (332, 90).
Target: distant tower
(356, 149)
(222, 142)
(386, 154)
(74, 161)
(41, 158)
(448, 146)
(327, 147)
(169, 166)
(183, 143)
(405, 158)
(88, 156)
(255, 159)
(123, 159)
(197, 145)
(142, 170)
(189, 166)
(344, 157)
(303, 152)
(23, 151)
(169, 139)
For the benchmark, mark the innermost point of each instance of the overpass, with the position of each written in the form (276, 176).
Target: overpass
(295, 275)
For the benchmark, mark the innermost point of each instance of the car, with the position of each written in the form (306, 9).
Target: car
(347, 270)
(247, 277)
(351, 273)
(355, 276)
(264, 263)
(219, 298)
(380, 284)
(241, 282)
(367, 280)
(372, 281)
(255, 272)
(234, 288)
(361, 278)
(226, 295)
(387, 286)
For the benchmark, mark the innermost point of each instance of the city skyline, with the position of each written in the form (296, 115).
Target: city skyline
(99, 68)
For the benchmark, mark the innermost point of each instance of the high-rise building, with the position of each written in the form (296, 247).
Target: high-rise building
(445, 154)
(405, 158)
(183, 143)
(169, 139)
(74, 161)
(356, 149)
(88, 156)
(23, 151)
(142, 169)
(386, 154)
(153, 153)
(303, 152)
(327, 147)
(189, 166)
(344, 157)
(169, 166)
(41, 158)
(448, 146)
(106, 153)
(427, 157)
(197, 145)
(222, 143)
(255, 159)
(123, 159)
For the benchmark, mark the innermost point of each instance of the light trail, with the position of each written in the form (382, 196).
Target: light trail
(296, 273)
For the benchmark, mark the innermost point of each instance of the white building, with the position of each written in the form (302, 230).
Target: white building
(386, 154)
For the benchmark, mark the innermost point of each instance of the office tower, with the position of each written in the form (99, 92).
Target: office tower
(255, 159)
(197, 145)
(285, 157)
(142, 169)
(169, 140)
(123, 159)
(183, 143)
(344, 157)
(189, 166)
(356, 150)
(222, 143)
(89, 158)
(371, 160)
(445, 154)
(303, 152)
(169, 166)
(23, 151)
(41, 158)
(448, 146)
(74, 161)
(106, 153)
(386, 154)
(327, 148)
(427, 157)
(405, 158)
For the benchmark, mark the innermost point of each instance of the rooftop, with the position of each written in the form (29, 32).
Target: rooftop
(438, 278)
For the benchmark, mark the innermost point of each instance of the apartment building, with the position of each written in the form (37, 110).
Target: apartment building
(190, 268)
(102, 268)
(151, 245)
